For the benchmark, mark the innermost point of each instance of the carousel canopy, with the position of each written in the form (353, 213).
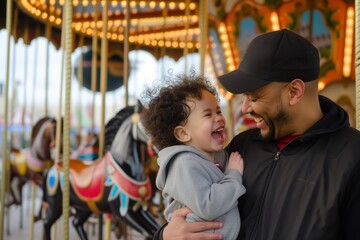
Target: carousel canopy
(153, 24)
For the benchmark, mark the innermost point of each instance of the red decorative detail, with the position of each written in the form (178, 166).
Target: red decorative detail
(94, 190)
(150, 151)
(136, 190)
(87, 178)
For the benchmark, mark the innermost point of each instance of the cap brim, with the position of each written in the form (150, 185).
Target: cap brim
(238, 81)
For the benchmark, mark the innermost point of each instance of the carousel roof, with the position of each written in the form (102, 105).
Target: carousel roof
(153, 24)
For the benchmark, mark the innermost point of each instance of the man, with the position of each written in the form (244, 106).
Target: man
(302, 163)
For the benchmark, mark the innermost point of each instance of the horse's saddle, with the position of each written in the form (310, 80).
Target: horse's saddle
(87, 177)
(22, 159)
(18, 159)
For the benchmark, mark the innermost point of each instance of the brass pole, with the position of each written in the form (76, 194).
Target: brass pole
(66, 153)
(186, 49)
(103, 75)
(203, 33)
(33, 189)
(163, 48)
(48, 36)
(126, 52)
(60, 109)
(103, 87)
(94, 67)
(4, 144)
(26, 39)
(80, 76)
(14, 83)
(34, 77)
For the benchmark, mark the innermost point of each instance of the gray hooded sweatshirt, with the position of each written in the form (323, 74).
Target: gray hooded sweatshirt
(188, 178)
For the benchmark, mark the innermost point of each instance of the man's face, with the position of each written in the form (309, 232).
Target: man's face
(268, 107)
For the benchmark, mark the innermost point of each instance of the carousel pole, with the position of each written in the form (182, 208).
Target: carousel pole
(357, 63)
(162, 73)
(14, 83)
(80, 77)
(32, 206)
(126, 51)
(186, 49)
(48, 37)
(203, 34)
(26, 39)
(103, 76)
(34, 77)
(126, 86)
(26, 54)
(12, 108)
(6, 112)
(60, 109)
(31, 227)
(94, 62)
(32, 187)
(94, 67)
(66, 153)
(163, 48)
(103, 86)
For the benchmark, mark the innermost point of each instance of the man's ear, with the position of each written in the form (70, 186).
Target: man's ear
(181, 134)
(296, 91)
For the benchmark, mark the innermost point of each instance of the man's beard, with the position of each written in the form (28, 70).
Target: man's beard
(281, 119)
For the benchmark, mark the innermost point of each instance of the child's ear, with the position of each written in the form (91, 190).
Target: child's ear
(181, 134)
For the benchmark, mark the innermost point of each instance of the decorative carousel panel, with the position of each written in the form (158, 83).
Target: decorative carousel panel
(329, 26)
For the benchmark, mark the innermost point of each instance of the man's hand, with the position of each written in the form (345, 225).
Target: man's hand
(178, 228)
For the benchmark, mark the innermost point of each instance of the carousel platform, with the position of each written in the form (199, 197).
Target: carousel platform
(17, 224)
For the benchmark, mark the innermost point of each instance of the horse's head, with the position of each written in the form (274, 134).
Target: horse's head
(43, 139)
(129, 149)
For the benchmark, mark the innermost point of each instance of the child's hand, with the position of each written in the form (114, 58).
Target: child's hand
(236, 162)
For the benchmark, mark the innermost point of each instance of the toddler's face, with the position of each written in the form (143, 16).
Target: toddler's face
(206, 124)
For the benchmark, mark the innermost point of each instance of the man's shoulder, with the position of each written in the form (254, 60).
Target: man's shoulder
(243, 139)
(351, 133)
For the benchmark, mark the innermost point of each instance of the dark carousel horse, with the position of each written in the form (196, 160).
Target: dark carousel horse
(31, 163)
(115, 183)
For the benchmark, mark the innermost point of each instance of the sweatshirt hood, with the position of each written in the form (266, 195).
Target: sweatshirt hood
(334, 119)
(167, 155)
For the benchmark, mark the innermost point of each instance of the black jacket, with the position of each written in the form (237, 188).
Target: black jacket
(310, 190)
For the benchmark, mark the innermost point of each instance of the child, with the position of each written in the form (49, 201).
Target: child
(185, 123)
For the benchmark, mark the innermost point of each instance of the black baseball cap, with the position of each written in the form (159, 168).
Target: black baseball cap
(279, 56)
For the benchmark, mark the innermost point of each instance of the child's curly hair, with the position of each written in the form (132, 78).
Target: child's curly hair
(167, 107)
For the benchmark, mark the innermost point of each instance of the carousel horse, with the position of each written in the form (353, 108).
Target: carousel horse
(31, 163)
(115, 183)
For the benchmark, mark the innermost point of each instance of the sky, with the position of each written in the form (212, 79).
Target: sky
(28, 70)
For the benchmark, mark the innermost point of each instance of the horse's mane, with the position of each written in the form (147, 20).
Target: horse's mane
(114, 124)
(36, 128)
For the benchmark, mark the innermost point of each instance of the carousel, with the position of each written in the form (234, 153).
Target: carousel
(98, 175)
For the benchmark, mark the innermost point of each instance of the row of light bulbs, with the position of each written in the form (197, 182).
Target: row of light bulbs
(174, 39)
(133, 4)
